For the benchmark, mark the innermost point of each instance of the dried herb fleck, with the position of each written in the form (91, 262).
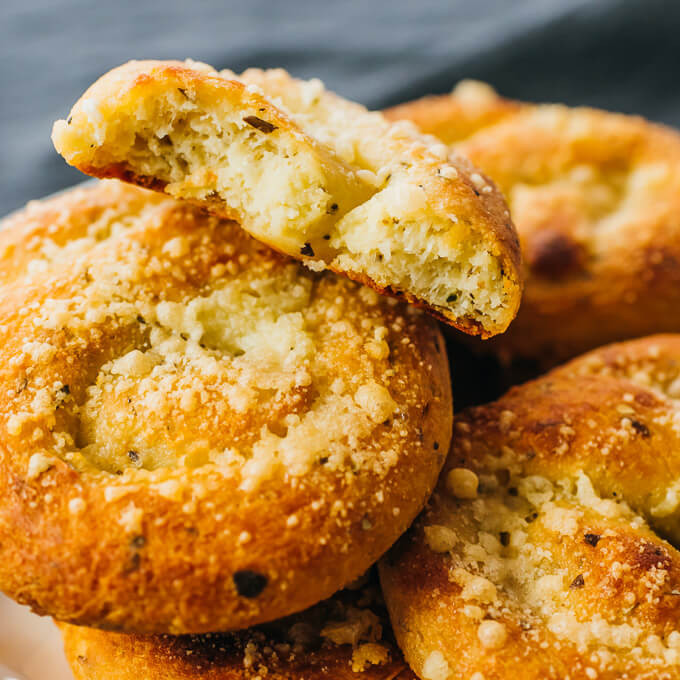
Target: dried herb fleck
(578, 582)
(249, 583)
(138, 542)
(259, 124)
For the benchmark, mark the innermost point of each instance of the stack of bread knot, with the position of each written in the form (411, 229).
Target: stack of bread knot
(225, 393)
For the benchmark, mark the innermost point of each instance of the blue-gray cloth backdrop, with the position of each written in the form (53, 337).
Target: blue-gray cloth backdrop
(618, 54)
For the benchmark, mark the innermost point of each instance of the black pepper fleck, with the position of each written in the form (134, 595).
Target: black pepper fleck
(326, 237)
(505, 538)
(435, 445)
(133, 456)
(640, 428)
(249, 583)
(452, 298)
(332, 208)
(138, 542)
(592, 539)
(307, 250)
(133, 564)
(259, 124)
(70, 120)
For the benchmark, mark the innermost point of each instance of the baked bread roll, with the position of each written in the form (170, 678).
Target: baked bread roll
(344, 638)
(471, 106)
(197, 433)
(548, 548)
(311, 174)
(596, 200)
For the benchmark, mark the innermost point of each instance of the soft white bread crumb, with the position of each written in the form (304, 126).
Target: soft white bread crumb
(313, 175)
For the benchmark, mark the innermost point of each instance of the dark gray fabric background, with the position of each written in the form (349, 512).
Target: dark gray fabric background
(619, 54)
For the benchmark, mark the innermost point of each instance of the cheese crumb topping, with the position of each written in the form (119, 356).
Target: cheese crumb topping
(376, 400)
(440, 538)
(462, 483)
(38, 464)
(492, 634)
(436, 667)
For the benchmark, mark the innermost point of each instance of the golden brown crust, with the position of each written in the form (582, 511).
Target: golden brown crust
(556, 565)
(196, 433)
(368, 165)
(344, 638)
(596, 200)
(453, 117)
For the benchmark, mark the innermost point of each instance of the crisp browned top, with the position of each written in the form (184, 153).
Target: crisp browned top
(548, 548)
(179, 404)
(456, 116)
(596, 200)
